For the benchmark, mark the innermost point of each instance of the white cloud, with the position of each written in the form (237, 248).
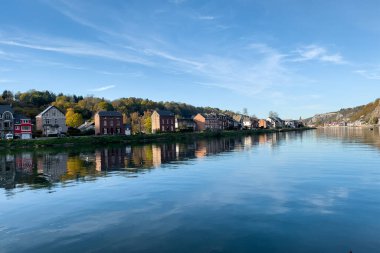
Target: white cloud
(315, 52)
(74, 48)
(177, 1)
(369, 74)
(6, 81)
(206, 17)
(104, 88)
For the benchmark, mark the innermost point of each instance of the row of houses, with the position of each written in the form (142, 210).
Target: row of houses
(165, 121)
(13, 123)
(52, 121)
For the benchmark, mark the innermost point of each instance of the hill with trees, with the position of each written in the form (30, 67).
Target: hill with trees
(364, 114)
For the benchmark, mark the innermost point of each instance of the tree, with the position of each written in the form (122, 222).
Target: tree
(147, 122)
(73, 119)
(273, 114)
(136, 123)
(104, 106)
(7, 96)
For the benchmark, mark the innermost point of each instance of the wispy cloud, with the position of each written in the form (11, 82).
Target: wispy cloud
(6, 81)
(369, 74)
(244, 75)
(177, 1)
(74, 48)
(104, 88)
(315, 52)
(206, 17)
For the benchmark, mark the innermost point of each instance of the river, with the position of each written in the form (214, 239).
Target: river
(311, 191)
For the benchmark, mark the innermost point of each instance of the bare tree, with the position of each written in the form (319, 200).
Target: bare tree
(273, 114)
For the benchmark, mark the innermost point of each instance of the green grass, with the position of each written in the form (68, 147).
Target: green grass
(135, 139)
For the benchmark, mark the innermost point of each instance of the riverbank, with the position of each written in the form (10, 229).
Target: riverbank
(134, 139)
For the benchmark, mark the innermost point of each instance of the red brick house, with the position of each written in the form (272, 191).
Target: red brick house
(163, 121)
(209, 121)
(22, 127)
(109, 123)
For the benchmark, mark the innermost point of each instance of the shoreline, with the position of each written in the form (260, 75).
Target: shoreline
(79, 141)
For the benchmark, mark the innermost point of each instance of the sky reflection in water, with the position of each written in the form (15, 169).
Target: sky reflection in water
(316, 191)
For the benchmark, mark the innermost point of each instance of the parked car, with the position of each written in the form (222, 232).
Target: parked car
(9, 136)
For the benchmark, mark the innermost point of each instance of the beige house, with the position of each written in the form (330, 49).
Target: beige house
(51, 121)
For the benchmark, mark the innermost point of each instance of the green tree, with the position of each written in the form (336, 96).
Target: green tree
(104, 106)
(7, 96)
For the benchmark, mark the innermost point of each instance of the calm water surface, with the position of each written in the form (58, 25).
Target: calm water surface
(316, 191)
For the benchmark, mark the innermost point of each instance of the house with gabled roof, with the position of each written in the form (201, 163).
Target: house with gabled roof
(6, 120)
(275, 122)
(51, 121)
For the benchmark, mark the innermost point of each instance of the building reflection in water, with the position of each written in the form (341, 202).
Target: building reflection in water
(52, 166)
(7, 172)
(46, 169)
(110, 159)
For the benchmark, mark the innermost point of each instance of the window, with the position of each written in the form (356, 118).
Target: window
(104, 130)
(111, 123)
(17, 127)
(25, 128)
(47, 121)
(105, 122)
(7, 115)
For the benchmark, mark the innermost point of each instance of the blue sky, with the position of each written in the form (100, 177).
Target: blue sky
(294, 57)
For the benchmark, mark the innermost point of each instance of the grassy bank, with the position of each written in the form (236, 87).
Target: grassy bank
(135, 139)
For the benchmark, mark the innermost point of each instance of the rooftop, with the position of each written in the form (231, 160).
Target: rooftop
(164, 113)
(4, 108)
(109, 114)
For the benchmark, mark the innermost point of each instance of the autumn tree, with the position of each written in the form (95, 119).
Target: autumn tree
(73, 119)
(147, 121)
(104, 106)
(136, 123)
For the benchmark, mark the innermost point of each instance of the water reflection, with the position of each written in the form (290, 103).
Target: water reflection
(44, 169)
(365, 135)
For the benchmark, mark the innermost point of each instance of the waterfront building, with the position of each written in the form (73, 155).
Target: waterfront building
(109, 123)
(6, 120)
(163, 121)
(22, 127)
(51, 121)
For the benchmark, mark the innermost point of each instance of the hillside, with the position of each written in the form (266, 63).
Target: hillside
(364, 114)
